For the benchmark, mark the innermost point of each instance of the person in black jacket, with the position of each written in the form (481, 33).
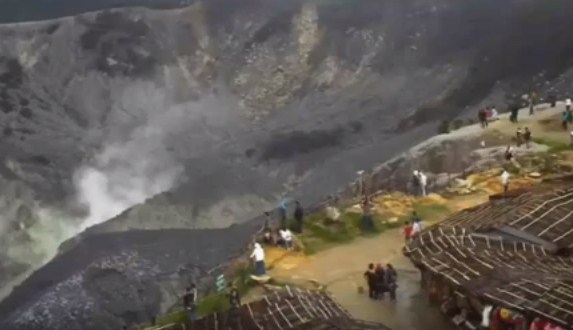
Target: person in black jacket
(190, 302)
(298, 217)
(370, 276)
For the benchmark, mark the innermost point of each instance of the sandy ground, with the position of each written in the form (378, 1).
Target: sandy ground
(340, 269)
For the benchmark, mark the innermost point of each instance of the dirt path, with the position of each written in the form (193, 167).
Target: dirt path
(341, 268)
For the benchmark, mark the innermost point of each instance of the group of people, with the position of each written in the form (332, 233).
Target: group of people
(381, 280)
(419, 182)
(523, 136)
(412, 227)
(487, 114)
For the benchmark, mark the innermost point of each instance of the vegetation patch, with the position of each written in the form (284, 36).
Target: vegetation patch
(214, 302)
(554, 146)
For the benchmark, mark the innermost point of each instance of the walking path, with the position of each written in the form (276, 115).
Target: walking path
(341, 270)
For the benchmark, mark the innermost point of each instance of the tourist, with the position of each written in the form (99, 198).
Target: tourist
(416, 224)
(380, 284)
(527, 137)
(259, 256)
(415, 182)
(283, 209)
(298, 217)
(509, 153)
(190, 303)
(505, 181)
(408, 231)
(423, 182)
(519, 137)
(565, 119)
(482, 117)
(285, 238)
(234, 297)
(370, 277)
(391, 281)
(268, 237)
(494, 114)
(367, 221)
(531, 103)
(514, 113)
(568, 104)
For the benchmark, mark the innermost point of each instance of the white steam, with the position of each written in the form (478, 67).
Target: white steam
(126, 174)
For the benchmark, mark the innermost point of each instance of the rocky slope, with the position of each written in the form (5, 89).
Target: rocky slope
(228, 105)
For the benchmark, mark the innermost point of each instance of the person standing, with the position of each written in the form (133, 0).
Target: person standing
(423, 182)
(568, 104)
(235, 303)
(415, 182)
(190, 303)
(552, 100)
(482, 117)
(367, 221)
(259, 256)
(509, 153)
(285, 238)
(299, 217)
(408, 232)
(519, 137)
(505, 181)
(527, 137)
(391, 281)
(565, 119)
(416, 224)
(370, 276)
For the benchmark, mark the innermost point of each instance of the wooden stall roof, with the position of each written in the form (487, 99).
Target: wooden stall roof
(288, 308)
(545, 212)
(503, 269)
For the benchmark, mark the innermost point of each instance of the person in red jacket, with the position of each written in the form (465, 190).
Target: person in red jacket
(408, 228)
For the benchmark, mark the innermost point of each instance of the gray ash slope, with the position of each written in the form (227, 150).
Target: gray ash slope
(230, 104)
(117, 278)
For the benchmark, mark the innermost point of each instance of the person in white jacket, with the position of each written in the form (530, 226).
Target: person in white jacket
(259, 256)
(568, 104)
(505, 180)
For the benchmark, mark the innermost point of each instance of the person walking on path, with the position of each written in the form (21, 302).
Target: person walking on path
(505, 181)
(391, 281)
(527, 137)
(482, 117)
(299, 217)
(259, 256)
(380, 281)
(190, 303)
(370, 276)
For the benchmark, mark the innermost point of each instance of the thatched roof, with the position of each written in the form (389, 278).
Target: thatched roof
(545, 212)
(502, 252)
(289, 308)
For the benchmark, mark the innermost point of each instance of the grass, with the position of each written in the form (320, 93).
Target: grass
(554, 146)
(318, 235)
